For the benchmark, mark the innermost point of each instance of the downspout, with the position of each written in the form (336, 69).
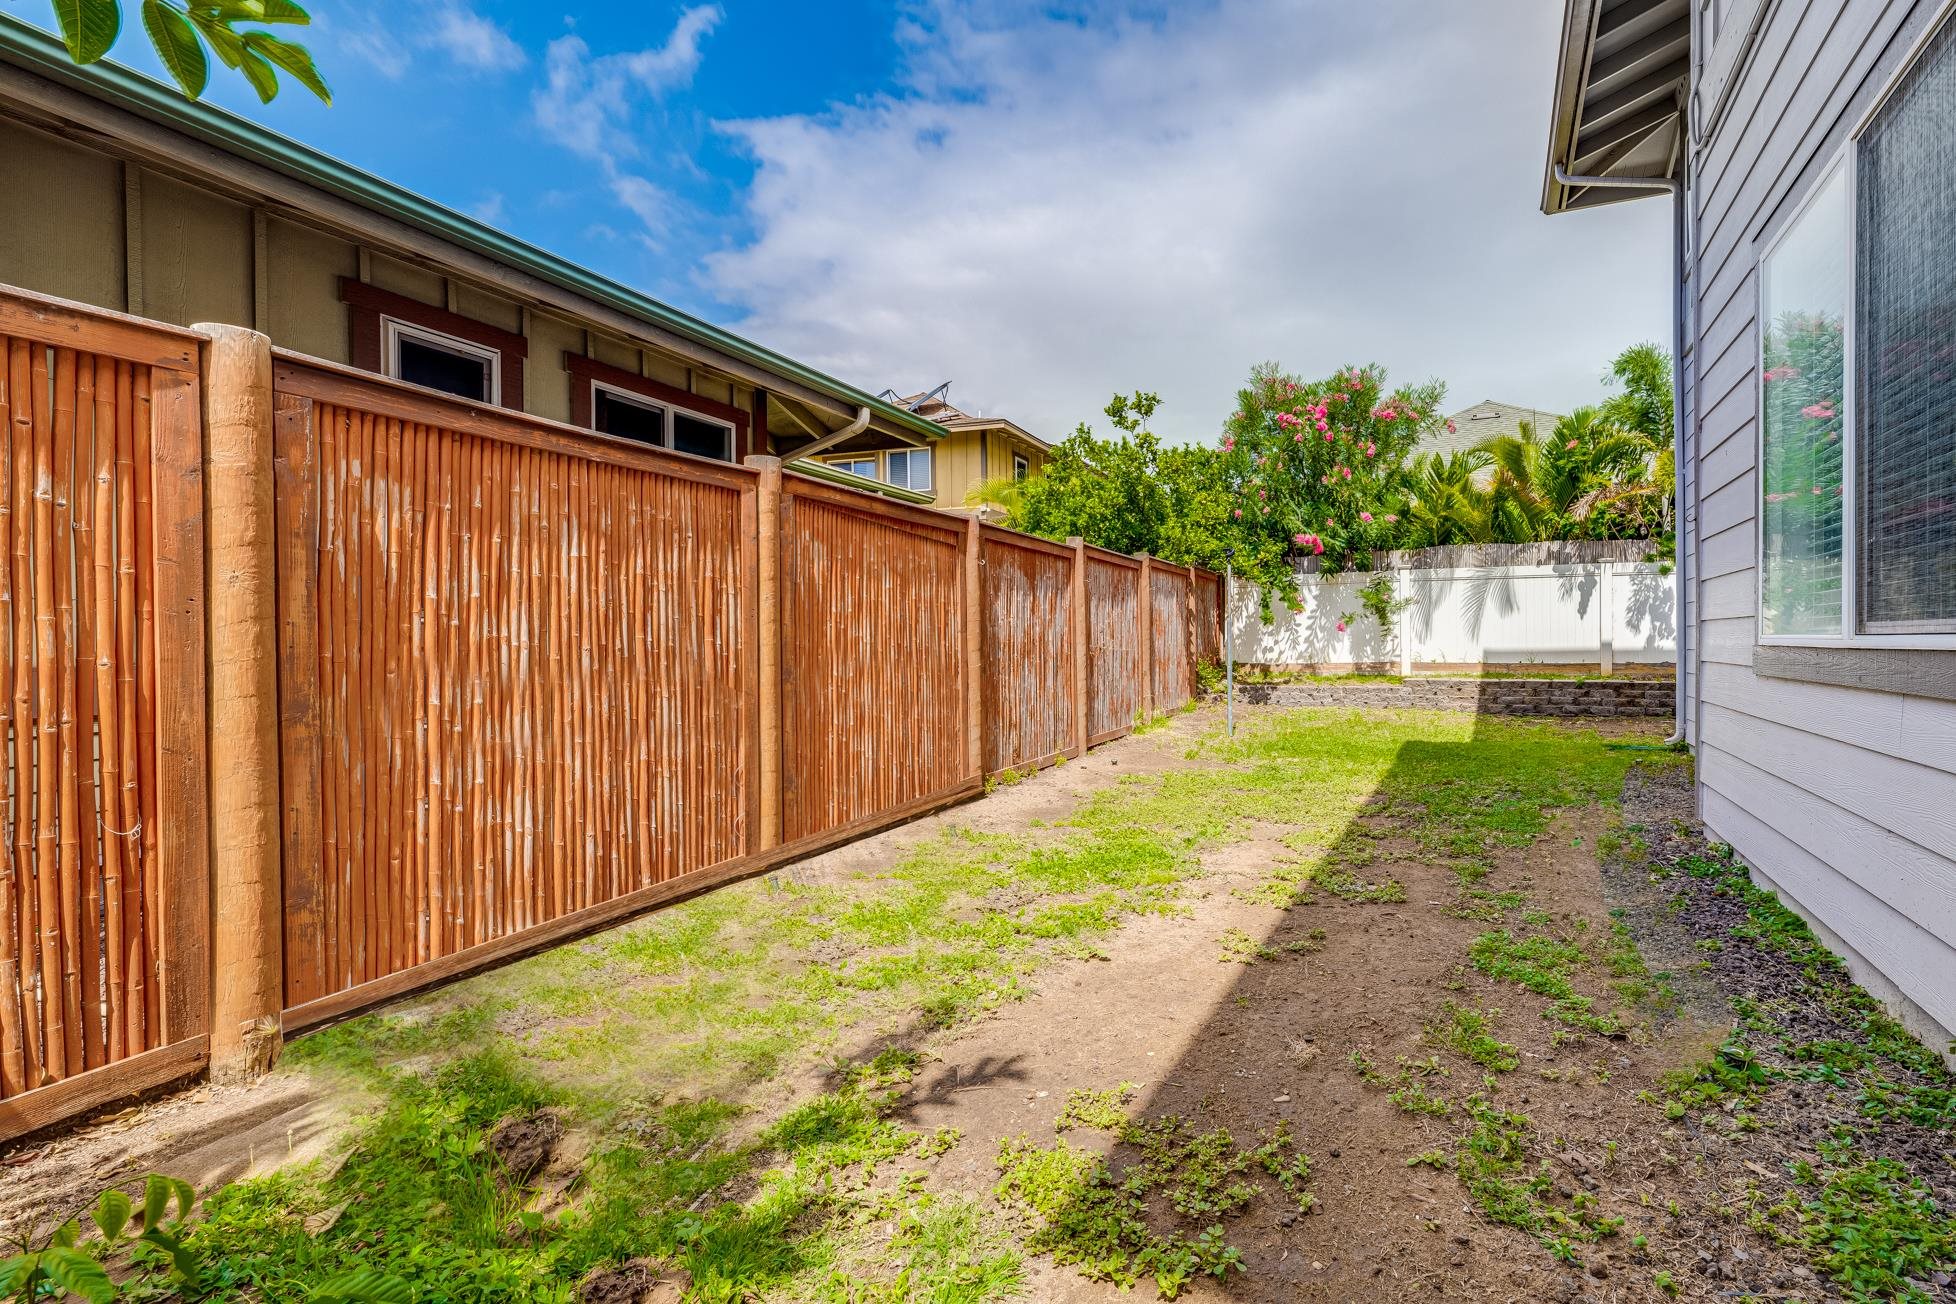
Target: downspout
(828, 441)
(1682, 554)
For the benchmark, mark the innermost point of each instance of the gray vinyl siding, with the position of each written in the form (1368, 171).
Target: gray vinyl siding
(1844, 799)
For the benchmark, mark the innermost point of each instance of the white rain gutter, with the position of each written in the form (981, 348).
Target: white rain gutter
(1677, 398)
(822, 445)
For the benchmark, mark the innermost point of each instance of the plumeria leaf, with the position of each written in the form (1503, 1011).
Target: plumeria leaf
(177, 45)
(362, 1286)
(262, 76)
(293, 58)
(88, 27)
(228, 44)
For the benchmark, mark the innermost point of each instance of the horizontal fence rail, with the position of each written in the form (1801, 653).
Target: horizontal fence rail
(103, 881)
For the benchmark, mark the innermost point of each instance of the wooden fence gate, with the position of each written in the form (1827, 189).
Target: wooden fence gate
(104, 882)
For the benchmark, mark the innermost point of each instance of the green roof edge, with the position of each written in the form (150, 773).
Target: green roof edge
(42, 53)
(850, 480)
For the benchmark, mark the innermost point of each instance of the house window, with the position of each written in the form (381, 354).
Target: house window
(909, 468)
(629, 416)
(862, 466)
(1858, 453)
(430, 358)
(1020, 467)
(625, 417)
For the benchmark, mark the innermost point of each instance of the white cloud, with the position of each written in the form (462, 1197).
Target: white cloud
(452, 31)
(587, 101)
(472, 41)
(1056, 207)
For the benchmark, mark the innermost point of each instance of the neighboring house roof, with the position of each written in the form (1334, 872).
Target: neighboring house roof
(35, 52)
(1622, 76)
(935, 405)
(1487, 419)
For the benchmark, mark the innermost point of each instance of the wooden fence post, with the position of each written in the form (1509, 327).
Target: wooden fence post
(1082, 684)
(974, 643)
(768, 588)
(1147, 609)
(247, 929)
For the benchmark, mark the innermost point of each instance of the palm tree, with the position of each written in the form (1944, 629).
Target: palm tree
(1554, 487)
(1444, 503)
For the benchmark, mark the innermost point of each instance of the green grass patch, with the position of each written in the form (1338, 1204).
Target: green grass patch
(1468, 1032)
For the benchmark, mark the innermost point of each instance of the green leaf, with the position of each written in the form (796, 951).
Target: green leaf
(294, 58)
(228, 44)
(183, 1260)
(362, 1286)
(78, 1274)
(112, 1214)
(18, 1273)
(89, 27)
(260, 74)
(66, 1234)
(177, 45)
(285, 11)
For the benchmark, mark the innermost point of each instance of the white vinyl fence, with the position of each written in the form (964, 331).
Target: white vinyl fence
(1588, 614)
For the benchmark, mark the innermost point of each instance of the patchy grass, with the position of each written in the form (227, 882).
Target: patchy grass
(1467, 1032)
(1105, 1217)
(1542, 964)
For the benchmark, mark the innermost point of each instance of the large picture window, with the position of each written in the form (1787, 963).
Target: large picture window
(1857, 534)
(1905, 228)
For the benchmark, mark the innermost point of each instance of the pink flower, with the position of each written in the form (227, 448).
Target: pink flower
(1371, 450)
(1324, 479)
(1341, 627)
(1452, 429)
(1261, 494)
(1386, 413)
(1391, 518)
(1366, 517)
(1317, 545)
(1348, 472)
(1823, 411)
(1229, 443)
(1324, 425)
(1781, 373)
(1570, 444)
(1300, 539)
(1816, 489)
(1327, 433)
(1297, 438)
(1328, 520)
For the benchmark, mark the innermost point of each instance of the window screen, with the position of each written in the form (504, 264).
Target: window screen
(1803, 302)
(613, 415)
(862, 466)
(420, 362)
(910, 469)
(1906, 351)
(701, 438)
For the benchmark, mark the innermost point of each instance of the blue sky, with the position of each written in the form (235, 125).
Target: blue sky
(1043, 203)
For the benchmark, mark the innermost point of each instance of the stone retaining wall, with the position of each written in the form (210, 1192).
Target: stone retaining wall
(1557, 697)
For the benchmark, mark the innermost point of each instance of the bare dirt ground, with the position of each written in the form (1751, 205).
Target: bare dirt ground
(1248, 1046)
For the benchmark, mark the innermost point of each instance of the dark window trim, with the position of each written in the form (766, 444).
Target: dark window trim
(1912, 672)
(584, 370)
(367, 304)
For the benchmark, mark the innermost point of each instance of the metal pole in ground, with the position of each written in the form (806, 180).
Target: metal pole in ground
(1229, 649)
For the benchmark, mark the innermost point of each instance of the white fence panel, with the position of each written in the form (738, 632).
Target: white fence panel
(1607, 613)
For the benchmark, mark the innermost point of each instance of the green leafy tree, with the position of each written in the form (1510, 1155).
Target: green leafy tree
(186, 32)
(1590, 479)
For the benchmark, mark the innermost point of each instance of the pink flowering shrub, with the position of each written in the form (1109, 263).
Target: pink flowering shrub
(1337, 497)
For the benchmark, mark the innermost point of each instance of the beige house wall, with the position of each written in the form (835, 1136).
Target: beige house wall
(82, 225)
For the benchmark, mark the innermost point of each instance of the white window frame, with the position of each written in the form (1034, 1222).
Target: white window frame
(1021, 460)
(393, 330)
(1844, 160)
(670, 410)
(839, 462)
(930, 467)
